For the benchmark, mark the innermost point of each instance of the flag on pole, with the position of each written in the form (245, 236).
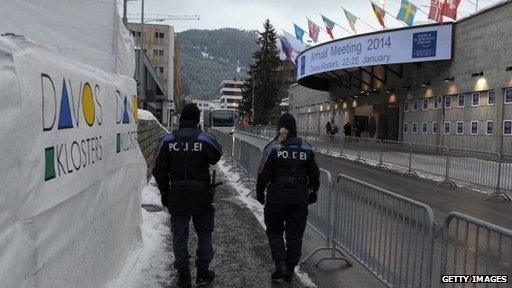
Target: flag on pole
(450, 9)
(299, 32)
(314, 30)
(352, 19)
(379, 13)
(329, 25)
(290, 46)
(280, 49)
(436, 10)
(407, 12)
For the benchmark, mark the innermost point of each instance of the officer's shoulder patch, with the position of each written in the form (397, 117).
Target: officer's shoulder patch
(273, 145)
(307, 146)
(167, 137)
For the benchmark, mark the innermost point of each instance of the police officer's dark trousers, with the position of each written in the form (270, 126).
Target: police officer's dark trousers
(289, 220)
(203, 224)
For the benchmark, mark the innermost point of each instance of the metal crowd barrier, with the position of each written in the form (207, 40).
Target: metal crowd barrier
(386, 232)
(471, 246)
(482, 168)
(320, 219)
(393, 236)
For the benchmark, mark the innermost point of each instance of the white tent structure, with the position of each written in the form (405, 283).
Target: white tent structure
(90, 30)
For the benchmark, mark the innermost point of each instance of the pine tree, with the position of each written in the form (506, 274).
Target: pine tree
(264, 71)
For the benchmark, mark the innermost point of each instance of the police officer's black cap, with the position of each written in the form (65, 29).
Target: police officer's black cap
(287, 121)
(190, 113)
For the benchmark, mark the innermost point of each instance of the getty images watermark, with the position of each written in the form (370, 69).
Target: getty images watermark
(474, 279)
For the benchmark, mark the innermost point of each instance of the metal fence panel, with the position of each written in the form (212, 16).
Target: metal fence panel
(476, 167)
(319, 213)
(475, 247)
(386, 232)
(506, 172)
(396, 153)
(429, 158)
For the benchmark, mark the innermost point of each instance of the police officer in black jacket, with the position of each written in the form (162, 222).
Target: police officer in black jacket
(290, 174)
(184, 158)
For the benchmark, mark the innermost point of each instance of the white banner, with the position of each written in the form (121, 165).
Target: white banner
(429, 43)
(71, 170)
(90, 30)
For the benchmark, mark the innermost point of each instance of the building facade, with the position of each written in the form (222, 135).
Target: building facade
(462, 102)
(230, 94)
(159, 45)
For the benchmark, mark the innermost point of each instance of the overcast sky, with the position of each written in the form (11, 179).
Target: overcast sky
(250, 14)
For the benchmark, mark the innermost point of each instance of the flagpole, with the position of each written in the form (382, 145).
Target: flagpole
(364, 22)
(394, 17)
(344, 29)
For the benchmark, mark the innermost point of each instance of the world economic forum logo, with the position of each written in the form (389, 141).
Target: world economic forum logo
(424, 44)
(302, 65)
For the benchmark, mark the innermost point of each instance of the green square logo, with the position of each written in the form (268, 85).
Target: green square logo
(49, 169)
(118, 143)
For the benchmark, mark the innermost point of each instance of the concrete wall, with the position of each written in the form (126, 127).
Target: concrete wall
(149, 134)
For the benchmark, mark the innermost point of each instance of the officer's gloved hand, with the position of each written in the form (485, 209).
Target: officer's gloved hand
(261, 198)
(313, 197)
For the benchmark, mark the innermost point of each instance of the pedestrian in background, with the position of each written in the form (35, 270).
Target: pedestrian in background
(184, 158)
(290, 175)
(328, 128)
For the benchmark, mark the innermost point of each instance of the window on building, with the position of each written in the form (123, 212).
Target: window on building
(507, 127)
(158, 52)
(475, 99)
(414, 127)
(139, 34)
(447, 126)
(462, 99)
(434, 127)
(448, 102)
(491, 96)
(474, 127)
(508, 96)
(434, 103)
(490, 127)
(406, 128)
(406, 106)
(460, 127)
(425, 104)
(159, 35)
(424, 128)
(415, 105)
(132, 32)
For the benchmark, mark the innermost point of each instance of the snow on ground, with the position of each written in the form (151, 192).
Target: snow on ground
(153, 266)
(146, 115)
(256, 208)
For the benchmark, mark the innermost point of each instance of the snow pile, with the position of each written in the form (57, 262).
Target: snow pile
(146, 115)
(153, 264)
(257, 209)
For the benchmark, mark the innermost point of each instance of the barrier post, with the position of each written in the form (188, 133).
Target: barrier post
(446, 179)
(409, 171)
(498, 193)
(381, 164)
(330, 244)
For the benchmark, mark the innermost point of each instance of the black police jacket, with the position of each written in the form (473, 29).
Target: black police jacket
(288, 171)
(182, 169)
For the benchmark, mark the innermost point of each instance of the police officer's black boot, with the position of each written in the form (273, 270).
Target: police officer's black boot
(280, 271)
(290, 271)
(204, 277)
(184, 280)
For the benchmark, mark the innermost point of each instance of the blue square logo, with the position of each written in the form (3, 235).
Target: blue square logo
(424, 44)
(302, 65)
